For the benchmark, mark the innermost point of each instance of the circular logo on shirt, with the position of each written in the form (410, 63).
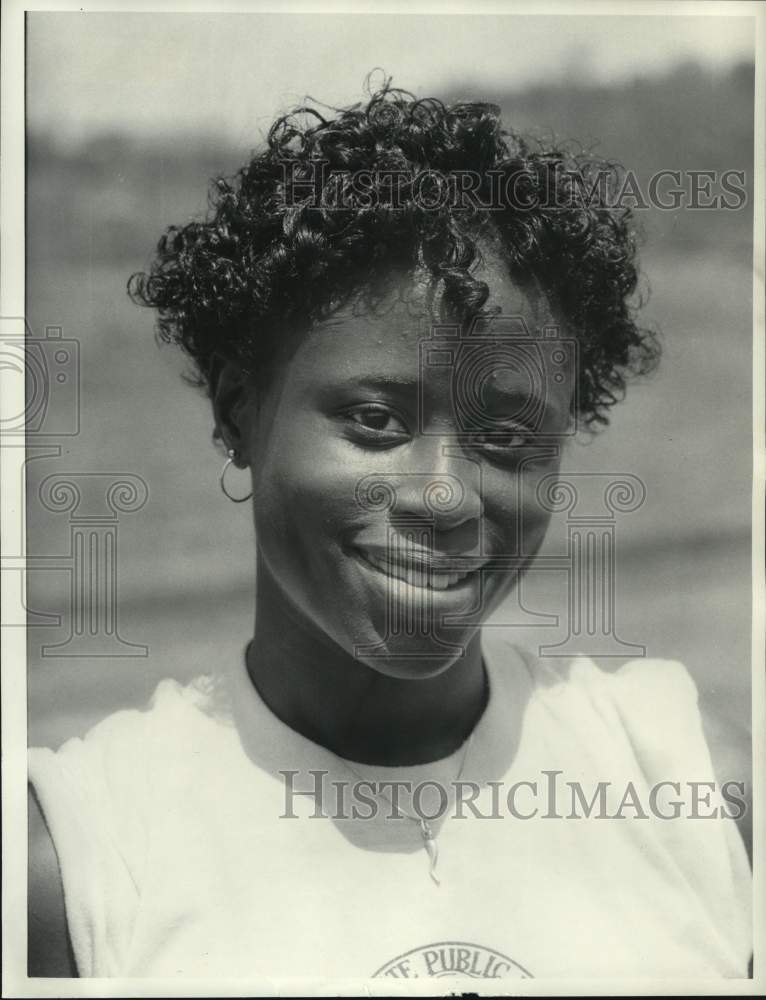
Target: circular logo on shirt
(453, 958)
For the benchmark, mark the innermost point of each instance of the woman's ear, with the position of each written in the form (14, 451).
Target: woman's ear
(231, 396)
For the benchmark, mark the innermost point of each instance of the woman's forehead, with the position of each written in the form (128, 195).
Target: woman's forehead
(409, 313)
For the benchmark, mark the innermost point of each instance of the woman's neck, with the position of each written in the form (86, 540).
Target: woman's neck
(326, 695)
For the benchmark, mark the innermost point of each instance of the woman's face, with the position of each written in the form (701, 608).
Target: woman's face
(395, 471)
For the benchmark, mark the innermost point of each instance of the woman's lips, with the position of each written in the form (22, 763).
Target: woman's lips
(425, 573)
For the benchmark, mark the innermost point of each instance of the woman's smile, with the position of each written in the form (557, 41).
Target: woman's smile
(423, 571)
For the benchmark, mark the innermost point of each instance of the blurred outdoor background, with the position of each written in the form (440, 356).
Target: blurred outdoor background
(128, 117)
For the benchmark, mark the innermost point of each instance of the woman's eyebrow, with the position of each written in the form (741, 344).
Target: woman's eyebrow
(378, 381)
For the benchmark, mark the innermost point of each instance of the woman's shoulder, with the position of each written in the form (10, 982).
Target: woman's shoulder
(655, 704)
(650, 702)
(92, 807)
(639, 680)
(118, 766)
(640, 724)
(197, 704)
(646, 691)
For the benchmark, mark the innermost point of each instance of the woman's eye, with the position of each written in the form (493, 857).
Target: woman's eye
(377, 422)
(504, 445)
(516, 439)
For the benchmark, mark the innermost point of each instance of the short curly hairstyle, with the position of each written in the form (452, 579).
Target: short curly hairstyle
(331, 203)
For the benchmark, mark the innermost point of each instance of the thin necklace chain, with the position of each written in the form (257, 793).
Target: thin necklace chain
(426, 830)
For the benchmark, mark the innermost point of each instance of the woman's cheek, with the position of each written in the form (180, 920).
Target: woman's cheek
(537, 514)
(304, 493)
(515, 520)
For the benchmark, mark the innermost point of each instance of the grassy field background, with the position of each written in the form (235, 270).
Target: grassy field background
(185, 561)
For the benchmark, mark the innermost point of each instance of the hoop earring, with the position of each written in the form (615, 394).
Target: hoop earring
(232, 455)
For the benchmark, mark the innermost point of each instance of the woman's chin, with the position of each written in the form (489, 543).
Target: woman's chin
(413, 657)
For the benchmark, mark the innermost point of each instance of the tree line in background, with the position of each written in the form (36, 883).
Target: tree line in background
(107, 201)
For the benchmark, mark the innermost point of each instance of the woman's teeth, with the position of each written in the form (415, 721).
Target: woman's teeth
(416, 576)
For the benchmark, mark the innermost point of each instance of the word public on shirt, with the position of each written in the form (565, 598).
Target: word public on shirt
(453, 958)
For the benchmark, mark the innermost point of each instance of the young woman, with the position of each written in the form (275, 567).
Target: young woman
(400, 312)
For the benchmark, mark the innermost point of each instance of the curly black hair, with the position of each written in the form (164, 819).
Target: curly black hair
(332, 203)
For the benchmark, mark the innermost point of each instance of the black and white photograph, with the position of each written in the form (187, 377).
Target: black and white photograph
(382, 440)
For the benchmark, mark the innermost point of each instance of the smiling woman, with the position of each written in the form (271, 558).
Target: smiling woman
(398, 374)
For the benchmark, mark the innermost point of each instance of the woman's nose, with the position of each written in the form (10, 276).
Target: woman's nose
(441, 487)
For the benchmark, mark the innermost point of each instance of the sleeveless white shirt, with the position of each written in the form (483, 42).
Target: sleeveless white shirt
(187, 849)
